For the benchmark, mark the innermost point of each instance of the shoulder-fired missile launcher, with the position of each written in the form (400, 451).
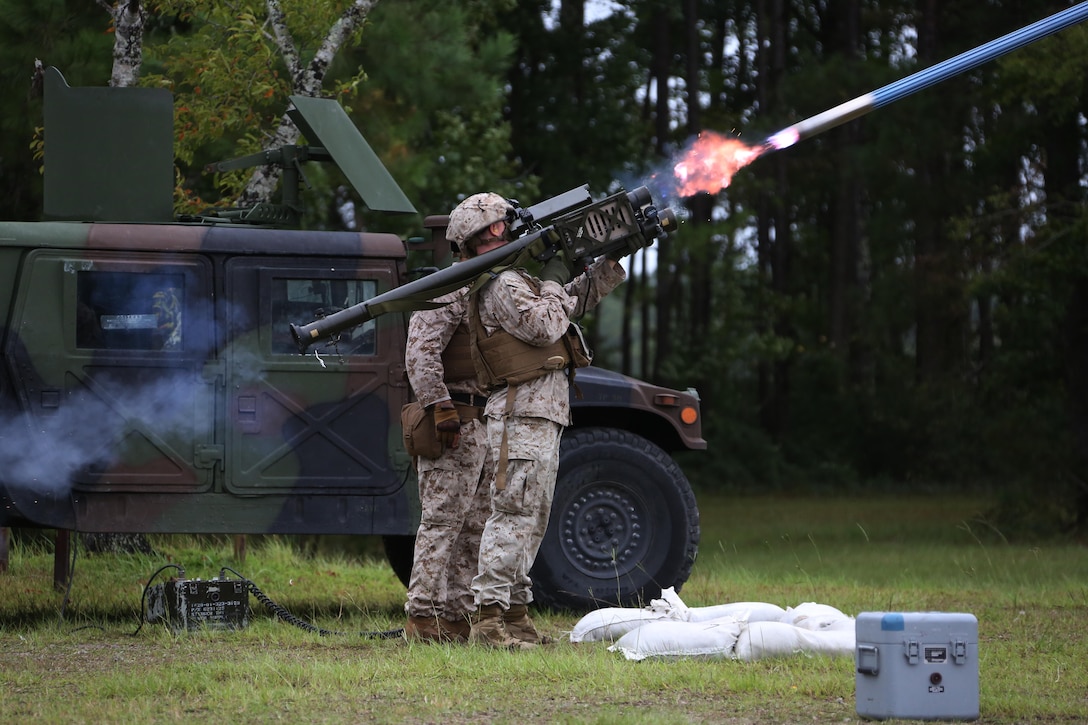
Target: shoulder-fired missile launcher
(151, 382)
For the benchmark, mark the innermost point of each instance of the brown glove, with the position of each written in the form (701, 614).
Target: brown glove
(447, 424)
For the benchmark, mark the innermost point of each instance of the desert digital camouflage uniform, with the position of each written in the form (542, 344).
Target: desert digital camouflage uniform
(519, 512)
(453, 494)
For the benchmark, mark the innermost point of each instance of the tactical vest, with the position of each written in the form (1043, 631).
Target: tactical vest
(457, 357)
(503, 360)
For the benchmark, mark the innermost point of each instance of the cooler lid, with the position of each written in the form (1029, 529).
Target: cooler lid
(898, 627)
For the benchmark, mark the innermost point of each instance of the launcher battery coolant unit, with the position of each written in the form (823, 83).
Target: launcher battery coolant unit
(197, 604)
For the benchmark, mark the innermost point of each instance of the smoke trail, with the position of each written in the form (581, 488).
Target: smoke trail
(92, 428)
(113, 414)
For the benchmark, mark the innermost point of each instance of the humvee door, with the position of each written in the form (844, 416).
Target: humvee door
(111, 351)
(318, 423)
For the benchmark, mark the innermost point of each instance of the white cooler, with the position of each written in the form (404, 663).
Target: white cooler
(917, 665)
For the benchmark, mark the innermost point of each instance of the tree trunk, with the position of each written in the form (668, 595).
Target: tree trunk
(305, 80)
(702, 254)
(129, 18)
(1064, 200)
(1076, 381)
(844, 39)
(940, 312)
(775, 255)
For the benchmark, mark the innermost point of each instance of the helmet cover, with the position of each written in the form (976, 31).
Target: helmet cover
(473, 215)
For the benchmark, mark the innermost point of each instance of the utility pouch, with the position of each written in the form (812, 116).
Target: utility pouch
(580, 354)
(417, 427)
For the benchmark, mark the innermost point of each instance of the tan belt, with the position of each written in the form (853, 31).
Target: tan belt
(469, 412)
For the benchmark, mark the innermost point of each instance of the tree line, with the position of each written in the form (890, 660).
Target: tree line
(900, 301)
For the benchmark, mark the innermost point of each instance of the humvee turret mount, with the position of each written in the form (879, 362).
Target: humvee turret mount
(151, 384)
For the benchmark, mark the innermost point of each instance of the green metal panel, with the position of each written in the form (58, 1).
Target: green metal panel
(109, 152)
(323, 122)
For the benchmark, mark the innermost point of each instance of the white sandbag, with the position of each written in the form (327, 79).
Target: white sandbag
(611, 623)
(760, 640)
(825, 622)
(824, 612)
(669, 602)
(742, 611)
(680, 639)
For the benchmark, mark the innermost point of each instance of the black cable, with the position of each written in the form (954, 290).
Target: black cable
(282, 613)
(143, 597)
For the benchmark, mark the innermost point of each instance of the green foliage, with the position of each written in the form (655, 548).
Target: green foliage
(231, 83)
(1048, 76)
(433, 99)
(422, 80)
(937, 207)
(71, 36)
(573, 95)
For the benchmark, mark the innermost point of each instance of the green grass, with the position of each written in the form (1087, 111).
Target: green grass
(899, 554)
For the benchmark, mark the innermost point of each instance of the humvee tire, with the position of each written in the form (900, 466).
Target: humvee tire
(624, 519)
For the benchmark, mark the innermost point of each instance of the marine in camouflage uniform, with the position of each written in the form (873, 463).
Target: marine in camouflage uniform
(524, 421)
(453, 494)
(530, 433)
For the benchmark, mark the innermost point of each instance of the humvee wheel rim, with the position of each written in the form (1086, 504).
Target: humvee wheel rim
(603, 531)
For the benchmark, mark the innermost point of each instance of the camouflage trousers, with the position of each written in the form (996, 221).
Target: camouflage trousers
(519, 512)
(454, 499)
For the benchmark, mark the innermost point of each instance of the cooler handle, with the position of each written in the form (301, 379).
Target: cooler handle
(868, 659)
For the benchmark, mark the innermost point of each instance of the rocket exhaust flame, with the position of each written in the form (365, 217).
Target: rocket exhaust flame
(784, 139)
(710, 163)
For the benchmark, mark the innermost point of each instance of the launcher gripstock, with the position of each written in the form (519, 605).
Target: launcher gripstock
(570, 223)
(625, 221)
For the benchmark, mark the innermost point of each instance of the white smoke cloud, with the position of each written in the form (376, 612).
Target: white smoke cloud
(90, 427)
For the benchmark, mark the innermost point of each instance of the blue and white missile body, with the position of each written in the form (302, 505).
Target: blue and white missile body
(915, 82)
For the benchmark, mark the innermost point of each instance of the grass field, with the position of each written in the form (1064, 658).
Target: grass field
(880, 554)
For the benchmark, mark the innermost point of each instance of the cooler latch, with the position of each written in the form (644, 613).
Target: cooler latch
(959, 651)
(912, 651)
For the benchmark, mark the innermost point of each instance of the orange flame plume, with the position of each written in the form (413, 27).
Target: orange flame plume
(709, 164)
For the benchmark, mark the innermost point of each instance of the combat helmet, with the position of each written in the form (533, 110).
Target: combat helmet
(473, 215)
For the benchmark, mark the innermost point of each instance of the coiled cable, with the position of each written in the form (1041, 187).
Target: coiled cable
(283, 614)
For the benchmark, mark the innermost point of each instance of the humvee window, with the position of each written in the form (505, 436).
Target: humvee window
(129, 310)
(304, 299)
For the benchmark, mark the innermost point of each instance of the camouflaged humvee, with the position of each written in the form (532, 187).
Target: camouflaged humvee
(150, 382)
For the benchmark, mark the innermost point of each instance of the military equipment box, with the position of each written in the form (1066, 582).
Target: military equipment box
(192, 604)
(917, 665)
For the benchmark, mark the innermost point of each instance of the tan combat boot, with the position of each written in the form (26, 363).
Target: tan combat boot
(456, 630)
(488, 629)
(422, 629)
(519, 625)
(436, 629)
